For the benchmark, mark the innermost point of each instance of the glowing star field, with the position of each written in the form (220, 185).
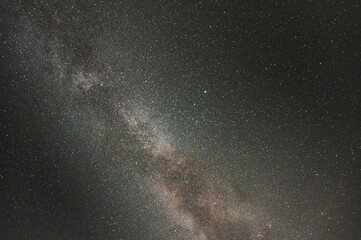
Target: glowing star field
(175, 120)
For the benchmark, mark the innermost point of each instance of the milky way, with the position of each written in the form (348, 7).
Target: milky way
(194, 198)
(174, 120)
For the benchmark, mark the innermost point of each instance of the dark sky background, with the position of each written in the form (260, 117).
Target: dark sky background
(180, 120)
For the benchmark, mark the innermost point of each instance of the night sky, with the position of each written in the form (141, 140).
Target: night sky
(172, 120)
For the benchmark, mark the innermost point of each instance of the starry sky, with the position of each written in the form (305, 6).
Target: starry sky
(171, 120)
